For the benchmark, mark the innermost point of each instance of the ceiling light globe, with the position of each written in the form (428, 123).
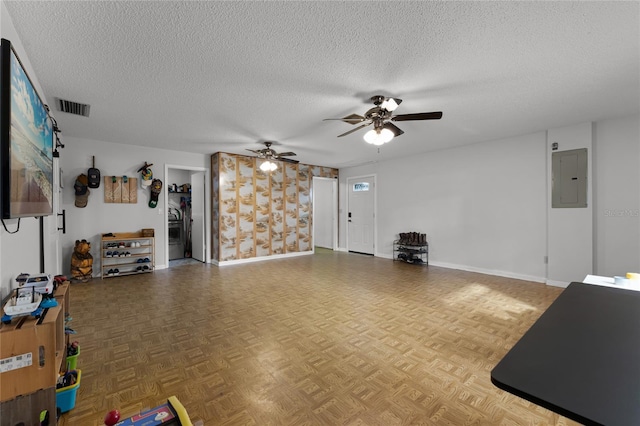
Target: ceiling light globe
(389, 104)
(266, 166)
(386, 135)
(370, 136)
(378, 136)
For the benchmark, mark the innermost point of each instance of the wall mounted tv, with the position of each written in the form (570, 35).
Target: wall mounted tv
(26, 142)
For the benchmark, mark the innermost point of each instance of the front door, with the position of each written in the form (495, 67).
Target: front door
(360, 217)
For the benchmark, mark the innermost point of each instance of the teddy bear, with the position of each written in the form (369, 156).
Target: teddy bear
(82, 261)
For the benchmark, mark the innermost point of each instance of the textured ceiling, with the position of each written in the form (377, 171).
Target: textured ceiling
(224, 76)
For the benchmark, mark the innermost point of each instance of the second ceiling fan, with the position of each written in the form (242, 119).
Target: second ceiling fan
(381, 116)
(270, 156)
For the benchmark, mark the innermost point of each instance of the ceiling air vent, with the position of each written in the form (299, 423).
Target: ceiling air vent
(73, 107)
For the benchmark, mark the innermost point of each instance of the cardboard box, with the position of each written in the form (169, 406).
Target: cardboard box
(27, 409)
(31, 354)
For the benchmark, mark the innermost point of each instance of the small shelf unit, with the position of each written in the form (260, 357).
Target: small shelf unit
(126, 253)
(34, 352)
(414, 253)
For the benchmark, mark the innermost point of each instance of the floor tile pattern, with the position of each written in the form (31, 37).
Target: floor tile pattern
(332, 338)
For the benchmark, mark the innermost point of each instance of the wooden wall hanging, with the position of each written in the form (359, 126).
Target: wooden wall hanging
(120, 189)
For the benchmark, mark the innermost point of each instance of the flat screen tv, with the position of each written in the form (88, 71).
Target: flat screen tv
(26, 142)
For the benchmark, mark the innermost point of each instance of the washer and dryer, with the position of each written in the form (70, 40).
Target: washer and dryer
(176, 238)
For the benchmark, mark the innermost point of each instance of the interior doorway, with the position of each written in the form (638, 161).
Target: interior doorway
(325, 213)
(185, 201)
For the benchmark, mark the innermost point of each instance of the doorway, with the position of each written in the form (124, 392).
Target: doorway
(185, 202)
(325, 213)
(361, 214)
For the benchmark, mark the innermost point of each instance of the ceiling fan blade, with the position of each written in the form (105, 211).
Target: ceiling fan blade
(351, 119)
(286, 154)
(254, 151)
(353, 130)
(418, 116)
(395, 129)
(289, 160)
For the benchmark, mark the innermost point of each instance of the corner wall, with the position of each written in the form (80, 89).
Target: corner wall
(487, 207)
(616, 209)
(98, 217)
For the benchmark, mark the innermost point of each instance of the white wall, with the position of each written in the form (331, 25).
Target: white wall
(482, 206)
(20, 252)
(616, 211)
(486, 207)
(570, 230)
(98, 217)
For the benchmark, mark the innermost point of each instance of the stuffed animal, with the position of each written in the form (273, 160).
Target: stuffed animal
(82, 261)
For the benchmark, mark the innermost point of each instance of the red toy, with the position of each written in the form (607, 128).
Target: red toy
(112, 418)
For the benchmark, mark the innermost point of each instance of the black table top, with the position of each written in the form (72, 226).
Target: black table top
(581, 358)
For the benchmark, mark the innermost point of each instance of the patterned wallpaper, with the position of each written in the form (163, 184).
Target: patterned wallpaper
(256, 213)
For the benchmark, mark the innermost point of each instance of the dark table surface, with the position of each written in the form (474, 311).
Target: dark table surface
(581, 358)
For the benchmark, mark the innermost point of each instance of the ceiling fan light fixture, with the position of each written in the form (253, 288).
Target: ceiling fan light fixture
(268, 166)
(393, 128)
(378, 136)
(390, 104)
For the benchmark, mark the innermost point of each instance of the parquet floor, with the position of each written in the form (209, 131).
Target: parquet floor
(329, 339)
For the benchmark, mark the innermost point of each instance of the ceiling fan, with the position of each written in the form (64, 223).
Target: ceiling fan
(271, 156)
(381, 116)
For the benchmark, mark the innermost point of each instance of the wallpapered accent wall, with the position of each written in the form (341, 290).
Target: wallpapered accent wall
(256, 213)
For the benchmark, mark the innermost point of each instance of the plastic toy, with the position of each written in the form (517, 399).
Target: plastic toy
(112, 418)
(72, 348)
(171, 413)
(59, 280)
(26, 301)
(42, 284)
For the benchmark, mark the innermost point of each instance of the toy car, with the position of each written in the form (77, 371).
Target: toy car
(41, 283)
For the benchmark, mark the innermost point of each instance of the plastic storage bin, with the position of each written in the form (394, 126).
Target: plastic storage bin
(66, 397)
(72, 361)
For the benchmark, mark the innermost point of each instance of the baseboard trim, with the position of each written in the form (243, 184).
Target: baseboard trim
(260, 258)
(557, 283)
(495, 272)
(447, 265)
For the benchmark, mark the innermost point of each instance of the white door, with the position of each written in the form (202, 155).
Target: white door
(360, 216)
(197, 216)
